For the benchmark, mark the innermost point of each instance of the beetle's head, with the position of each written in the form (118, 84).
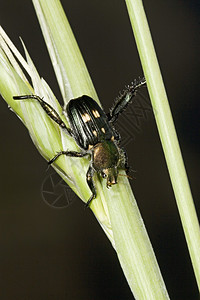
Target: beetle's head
(111, 175)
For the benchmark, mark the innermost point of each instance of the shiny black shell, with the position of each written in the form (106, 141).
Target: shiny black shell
(88, 122)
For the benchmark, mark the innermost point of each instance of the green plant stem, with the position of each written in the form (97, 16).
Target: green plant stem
(166, 131)
(73, 79)
(134, 248)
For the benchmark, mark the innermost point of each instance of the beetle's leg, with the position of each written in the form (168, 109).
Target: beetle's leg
(90, 172)
(126, 165)
(124, 99)
(123, 161)
(90, 182)
(51, 112)
(67, 153)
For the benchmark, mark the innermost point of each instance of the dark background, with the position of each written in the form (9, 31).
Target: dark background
(49, 253)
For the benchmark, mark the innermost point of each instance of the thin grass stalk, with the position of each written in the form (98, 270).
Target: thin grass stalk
(166, 131)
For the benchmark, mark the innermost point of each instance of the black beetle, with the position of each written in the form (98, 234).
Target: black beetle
(94, 133)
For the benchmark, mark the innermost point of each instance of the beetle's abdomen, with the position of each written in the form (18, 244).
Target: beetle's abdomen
(88, 122)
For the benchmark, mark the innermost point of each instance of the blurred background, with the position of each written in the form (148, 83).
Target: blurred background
(55, 251)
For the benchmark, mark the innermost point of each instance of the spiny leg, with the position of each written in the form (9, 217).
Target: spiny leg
(90, 182)
(124, 99)
(51, 112)
(67, 153)
(126, 165)
(89, 175)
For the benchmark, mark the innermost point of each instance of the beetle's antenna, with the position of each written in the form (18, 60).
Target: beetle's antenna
(125, 175)
(125, 98)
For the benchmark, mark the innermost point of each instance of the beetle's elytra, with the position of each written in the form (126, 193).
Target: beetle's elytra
(94, 133)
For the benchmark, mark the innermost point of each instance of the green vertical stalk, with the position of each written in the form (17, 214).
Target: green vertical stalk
(166, 131)
(72, 74)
